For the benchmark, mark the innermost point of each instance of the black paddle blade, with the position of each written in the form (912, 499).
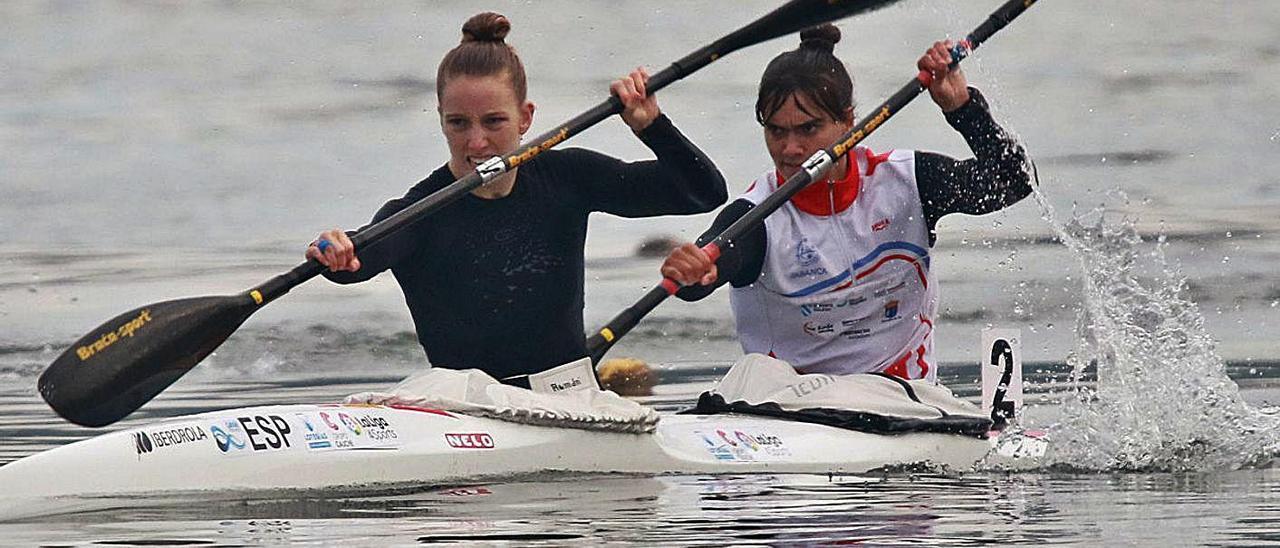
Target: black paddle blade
(795, 16)
(125, 362)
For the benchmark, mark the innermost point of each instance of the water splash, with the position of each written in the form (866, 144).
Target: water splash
(1163, 400)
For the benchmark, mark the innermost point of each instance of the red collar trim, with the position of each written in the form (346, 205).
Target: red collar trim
(815, 199)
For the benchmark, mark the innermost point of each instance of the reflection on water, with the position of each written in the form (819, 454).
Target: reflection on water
(973, 509)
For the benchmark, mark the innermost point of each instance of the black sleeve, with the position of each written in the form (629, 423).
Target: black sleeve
(681, 181)
(394, 247)
(995, 178)
(741, 261)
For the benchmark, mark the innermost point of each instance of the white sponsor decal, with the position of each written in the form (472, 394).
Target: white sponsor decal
(345, 429)
(476, 440)
(743, 445)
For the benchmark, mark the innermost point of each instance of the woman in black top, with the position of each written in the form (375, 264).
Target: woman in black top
(495, 280)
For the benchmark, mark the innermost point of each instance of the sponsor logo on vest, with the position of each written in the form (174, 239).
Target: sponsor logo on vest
(808, 273)
(142, 443)
(807, 310)
(880, 225)
(127, 329)
(890, 290)
(479, 440)
(806, 255)
(858, 333)
(890, 311)
(810, 385)
(819, 329)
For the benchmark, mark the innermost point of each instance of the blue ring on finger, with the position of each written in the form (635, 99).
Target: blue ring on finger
(323, 244)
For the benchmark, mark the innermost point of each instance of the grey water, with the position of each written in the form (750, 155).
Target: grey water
(159, 150)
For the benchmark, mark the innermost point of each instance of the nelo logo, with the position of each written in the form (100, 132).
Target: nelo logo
(469, 441)
(142, 443)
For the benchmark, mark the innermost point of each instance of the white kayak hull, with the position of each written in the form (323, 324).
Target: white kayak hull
(337, 447)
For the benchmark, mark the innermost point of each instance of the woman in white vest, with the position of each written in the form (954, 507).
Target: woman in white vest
(839, 280)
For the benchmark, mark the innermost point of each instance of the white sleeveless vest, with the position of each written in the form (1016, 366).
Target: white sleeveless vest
(846, 293)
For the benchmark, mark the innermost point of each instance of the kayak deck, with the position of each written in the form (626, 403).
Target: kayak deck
(306, 447)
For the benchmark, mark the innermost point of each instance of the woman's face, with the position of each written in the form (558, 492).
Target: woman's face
(798, 130)
(481, 118)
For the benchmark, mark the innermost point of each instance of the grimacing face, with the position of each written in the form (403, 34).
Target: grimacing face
(799, 129)
(481, 117)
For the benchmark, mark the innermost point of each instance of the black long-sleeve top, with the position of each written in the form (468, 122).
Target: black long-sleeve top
(498, 284)
(995, 178)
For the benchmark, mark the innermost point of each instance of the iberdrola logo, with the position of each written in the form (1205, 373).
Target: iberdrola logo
(806, 255)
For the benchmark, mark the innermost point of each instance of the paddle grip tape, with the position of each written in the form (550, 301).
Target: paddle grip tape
(712, 250)
(671, 286)
(491, 169)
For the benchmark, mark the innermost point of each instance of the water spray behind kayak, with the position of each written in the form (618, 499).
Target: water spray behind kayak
(1163, 400)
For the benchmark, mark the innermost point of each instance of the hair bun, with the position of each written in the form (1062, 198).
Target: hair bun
(486, 27)
(823, 37)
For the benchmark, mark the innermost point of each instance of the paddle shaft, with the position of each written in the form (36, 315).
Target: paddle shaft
(814, 168)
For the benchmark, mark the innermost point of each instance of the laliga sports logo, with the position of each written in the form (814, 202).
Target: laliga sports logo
(350, 423)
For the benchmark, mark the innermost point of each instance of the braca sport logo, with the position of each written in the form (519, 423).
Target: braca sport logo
(142, 443)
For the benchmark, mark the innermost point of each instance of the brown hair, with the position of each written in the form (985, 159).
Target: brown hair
(811, 70)
(483, 52)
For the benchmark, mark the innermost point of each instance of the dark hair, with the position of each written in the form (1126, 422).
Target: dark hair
(483, 52)
(811, 70)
